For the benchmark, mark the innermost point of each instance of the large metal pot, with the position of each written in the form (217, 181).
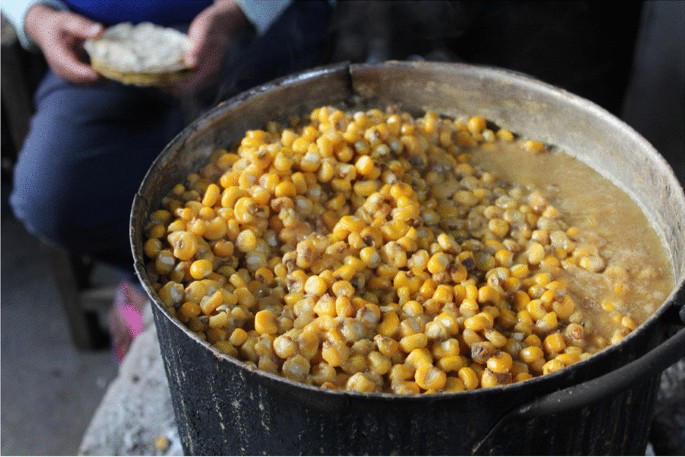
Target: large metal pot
(600, 406)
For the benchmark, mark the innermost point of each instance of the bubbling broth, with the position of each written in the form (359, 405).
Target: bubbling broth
(380, 252)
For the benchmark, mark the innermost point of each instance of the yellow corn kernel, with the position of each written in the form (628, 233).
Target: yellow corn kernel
(568, 359)
(452, 363)
(536, 291)
(449, 322)
(490, 379)
(379, 363)
(488, 294)
(365, 165)
(201, 269)
(360, 382)
(265, 321)
(345, 272)
(438, 263)
(531, 353)
(429, 377)
(628, 322)
(468, 377)
(520, 300)
(536, 252)
(447, 348)
(210, 302)
(564, 308)
(264, 275)
(246, 241)
(284, 347)
(197, 227)
(620, 288)
(215, 229)
(185, 245)
(548, 323)
(519, 271)
(415, 341)
(344, 307)
(476, 124)
(406, 388)
(226, 348)
(188, 310)
(223, 248)
(238, 337)
(285, 189)
(412, 308)
(245, 297)
(335, 353)
(157, 231)
(495, 337)
(219, 320)
(308, 343)
(501, 362)
(504, 257)
(592, 263)
(552, 366)
(536, 309)
(386, 345)
(418, 357)
(498, 227)
(152, 248)
(443, 294)
(533, 146)
(296, 368)
(468, 307)
(370, 256)
(356, 363)
(325, 306)
(479, 322)
(505, 135)
(389, 325)
(211, 196)
(315, 286)
(454, 384)
(608, 305)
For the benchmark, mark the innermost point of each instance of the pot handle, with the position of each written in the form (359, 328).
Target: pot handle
(580, 395)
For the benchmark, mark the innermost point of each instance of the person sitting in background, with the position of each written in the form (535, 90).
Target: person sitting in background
(92, 140)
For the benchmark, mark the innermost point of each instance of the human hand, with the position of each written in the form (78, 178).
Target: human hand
(209, 33)
(60, 36)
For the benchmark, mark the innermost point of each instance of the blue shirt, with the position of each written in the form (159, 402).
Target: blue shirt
(161, 12)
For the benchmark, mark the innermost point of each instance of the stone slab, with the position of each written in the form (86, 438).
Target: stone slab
(135, 416)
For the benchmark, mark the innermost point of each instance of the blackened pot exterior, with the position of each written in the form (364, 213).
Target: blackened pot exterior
(222, 407)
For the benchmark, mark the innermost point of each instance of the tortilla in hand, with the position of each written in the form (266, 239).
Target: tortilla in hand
(143, 55)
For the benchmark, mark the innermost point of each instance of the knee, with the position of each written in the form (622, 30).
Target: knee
(47, 186)
(43, 211)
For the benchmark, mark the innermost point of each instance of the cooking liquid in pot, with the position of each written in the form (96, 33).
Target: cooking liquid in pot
(378, 252)
(636, 277)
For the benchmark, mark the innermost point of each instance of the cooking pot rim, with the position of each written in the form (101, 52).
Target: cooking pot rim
(220, 109)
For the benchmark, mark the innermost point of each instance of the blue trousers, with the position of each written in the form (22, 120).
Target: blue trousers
(89, 147)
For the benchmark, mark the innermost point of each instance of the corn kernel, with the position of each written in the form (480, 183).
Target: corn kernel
(429, 377)
(265, 322)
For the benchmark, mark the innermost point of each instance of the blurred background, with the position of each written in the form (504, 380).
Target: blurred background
(631, 62)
